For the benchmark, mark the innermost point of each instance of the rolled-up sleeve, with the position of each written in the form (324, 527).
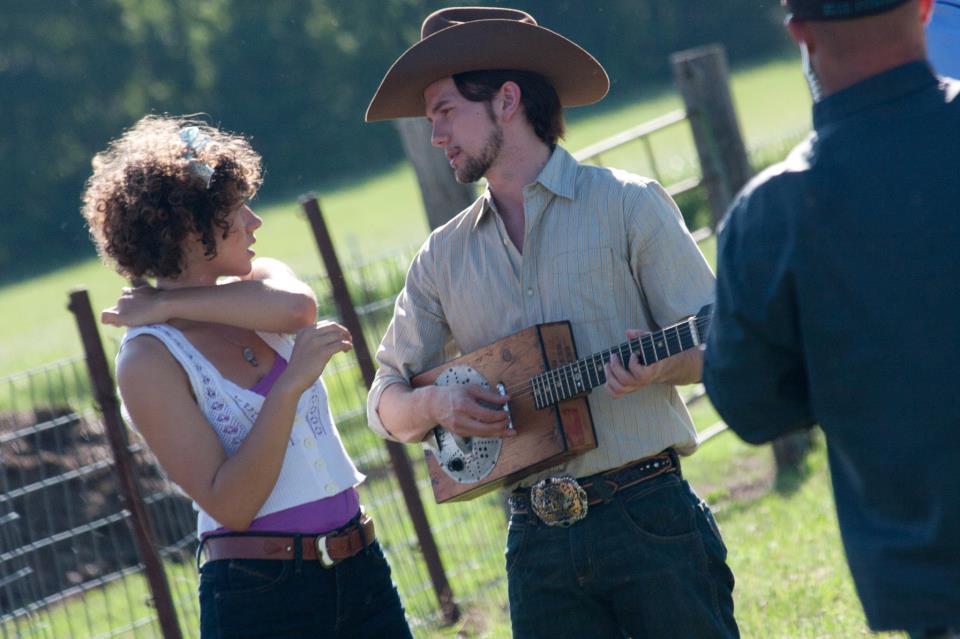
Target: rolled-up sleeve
(416, 338)
(754, 370)
(670, 269)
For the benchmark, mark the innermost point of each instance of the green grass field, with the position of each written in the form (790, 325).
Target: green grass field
(384, 213)
(784, 548)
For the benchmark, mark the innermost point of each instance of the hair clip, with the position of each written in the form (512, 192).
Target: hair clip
(196, 141)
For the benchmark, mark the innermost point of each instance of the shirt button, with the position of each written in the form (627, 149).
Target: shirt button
(506, 241)
(529, 292)
(318, 464)
(331, 489)
(309, 442)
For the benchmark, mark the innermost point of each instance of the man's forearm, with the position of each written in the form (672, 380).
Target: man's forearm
(682, 368)
(406, 413)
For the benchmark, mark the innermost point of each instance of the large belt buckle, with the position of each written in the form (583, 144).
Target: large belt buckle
(559, 500)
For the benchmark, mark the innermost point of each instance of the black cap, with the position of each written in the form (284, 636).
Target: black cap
(838, 9)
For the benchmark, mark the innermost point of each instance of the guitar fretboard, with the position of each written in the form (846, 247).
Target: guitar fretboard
(582, 376)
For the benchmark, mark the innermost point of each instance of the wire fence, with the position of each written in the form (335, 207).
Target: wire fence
(68, 564)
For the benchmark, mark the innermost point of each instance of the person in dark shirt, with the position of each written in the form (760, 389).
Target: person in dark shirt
(837, 303)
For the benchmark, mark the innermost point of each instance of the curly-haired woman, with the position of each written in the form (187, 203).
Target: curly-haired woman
(230, 403)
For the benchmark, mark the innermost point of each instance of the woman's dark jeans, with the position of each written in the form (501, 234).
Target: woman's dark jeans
(650, 564)
(247, 598)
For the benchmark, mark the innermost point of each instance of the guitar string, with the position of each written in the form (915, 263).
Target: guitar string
(557, 376)
(635, 345)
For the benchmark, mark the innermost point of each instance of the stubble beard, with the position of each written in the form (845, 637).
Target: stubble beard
(475, 167)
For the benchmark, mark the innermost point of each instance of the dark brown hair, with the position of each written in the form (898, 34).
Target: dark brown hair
(538, 97)
(148, 193)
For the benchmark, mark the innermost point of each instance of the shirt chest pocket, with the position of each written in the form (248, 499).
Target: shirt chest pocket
(585, 282)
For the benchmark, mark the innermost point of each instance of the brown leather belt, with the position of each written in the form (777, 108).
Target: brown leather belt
(328, 549)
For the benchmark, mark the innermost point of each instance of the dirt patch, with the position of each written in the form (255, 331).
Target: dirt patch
(62, 521)
(751, 477)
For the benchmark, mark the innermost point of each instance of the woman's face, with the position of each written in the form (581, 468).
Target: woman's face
(235, 252)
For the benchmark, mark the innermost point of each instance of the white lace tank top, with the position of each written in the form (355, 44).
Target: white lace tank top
(316, 464)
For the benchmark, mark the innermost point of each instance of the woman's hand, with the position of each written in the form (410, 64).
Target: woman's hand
(314, 347)
(137, 307)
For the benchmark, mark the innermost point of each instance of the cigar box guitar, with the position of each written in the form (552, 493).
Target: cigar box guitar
(547, 384)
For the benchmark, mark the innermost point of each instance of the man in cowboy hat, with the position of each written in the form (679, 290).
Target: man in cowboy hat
(837, 304)
(553, 240)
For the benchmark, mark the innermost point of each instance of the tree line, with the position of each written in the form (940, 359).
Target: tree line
(295, 75)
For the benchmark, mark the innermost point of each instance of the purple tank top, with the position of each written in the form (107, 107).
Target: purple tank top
(317, 516)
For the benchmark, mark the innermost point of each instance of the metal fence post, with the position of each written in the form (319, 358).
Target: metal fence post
(139, 519)
(702, 77)
(398, 456)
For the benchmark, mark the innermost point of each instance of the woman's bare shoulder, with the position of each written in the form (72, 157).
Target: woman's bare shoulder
(145, 360)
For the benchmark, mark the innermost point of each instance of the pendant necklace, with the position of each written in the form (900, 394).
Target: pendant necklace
(247, 352)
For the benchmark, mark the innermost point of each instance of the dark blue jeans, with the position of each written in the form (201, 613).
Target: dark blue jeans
(648, 565)
(247, 598)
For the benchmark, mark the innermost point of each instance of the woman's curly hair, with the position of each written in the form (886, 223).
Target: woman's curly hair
(148, 193)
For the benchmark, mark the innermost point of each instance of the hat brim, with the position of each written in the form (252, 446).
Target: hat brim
(488, 45)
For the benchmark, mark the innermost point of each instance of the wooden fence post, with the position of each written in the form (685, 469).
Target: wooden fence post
(704, 82)
(398, 455)
(139, 520)
(443, 197)
(702, 77)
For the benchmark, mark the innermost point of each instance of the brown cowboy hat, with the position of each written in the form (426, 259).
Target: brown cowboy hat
(459, 39)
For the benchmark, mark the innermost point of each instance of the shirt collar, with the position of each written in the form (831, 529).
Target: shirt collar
(559, 176)
(886, 87)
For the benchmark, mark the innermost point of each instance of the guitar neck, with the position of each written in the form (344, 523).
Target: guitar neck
(567, 381)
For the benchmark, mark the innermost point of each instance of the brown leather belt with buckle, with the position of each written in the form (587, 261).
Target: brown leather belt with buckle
(328, 549)
(561, 500)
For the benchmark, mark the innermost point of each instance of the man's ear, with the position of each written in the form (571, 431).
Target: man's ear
(797, 30)
(508, 100)
(801, 33)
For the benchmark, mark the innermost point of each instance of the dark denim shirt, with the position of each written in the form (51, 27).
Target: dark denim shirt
(838, 303)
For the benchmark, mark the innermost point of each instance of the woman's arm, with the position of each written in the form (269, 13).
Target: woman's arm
(270, 298)
(231, 489)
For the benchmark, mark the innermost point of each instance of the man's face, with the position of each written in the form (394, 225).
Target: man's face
(467, 131)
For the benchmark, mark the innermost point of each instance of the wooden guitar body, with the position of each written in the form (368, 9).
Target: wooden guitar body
(547, 385)
(545, 437)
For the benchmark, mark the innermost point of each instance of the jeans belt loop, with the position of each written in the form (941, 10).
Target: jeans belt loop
(298, 553)
(603, 490)
(198, 558)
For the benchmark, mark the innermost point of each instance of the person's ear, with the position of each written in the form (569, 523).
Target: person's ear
(802, 34)
(798, 31)
(508, 99)
(926, 10)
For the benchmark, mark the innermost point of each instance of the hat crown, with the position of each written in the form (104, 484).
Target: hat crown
(453, 16)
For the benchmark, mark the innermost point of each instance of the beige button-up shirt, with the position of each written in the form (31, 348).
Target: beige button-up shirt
(604, 249)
